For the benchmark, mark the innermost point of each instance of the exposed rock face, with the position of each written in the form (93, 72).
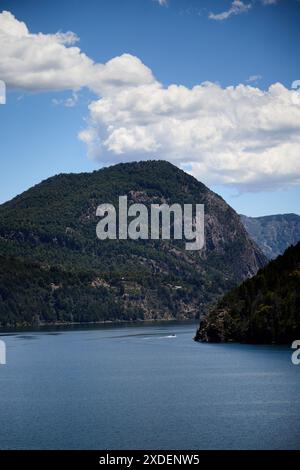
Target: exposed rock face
(48, 237)
(273, 233)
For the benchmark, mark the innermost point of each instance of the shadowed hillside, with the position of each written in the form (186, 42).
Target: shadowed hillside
(263, 309)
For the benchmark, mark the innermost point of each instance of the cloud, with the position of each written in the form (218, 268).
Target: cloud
(241, 136)
(40, 62)
(162, 2)
(68, 102)
(254, 78)
(237, 7)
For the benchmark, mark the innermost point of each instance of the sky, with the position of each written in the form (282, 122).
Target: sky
(210, 86)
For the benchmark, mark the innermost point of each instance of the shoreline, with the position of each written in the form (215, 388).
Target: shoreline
(113, 323)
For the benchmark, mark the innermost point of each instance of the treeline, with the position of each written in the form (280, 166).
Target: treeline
(33, 294)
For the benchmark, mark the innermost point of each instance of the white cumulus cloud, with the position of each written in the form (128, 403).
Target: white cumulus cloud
(241, 135)
(40, 62)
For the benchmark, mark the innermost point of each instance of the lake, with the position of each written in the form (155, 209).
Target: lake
(138, 387)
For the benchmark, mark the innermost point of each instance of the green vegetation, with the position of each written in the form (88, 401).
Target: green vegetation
(54, 269)
(263, 309)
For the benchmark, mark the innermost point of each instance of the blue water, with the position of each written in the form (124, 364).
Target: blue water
(134, 387)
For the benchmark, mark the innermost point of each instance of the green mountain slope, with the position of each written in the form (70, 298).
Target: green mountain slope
(263, 309)
(53, 267)
(273, 233)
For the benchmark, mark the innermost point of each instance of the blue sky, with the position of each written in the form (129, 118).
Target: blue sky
(179, 43)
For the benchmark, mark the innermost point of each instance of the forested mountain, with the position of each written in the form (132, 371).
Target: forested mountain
(273, 233)
(263, 309)
(54, 268)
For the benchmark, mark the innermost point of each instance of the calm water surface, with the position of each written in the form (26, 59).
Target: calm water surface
(136, 387)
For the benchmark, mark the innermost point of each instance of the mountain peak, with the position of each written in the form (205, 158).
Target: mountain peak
(50, 233)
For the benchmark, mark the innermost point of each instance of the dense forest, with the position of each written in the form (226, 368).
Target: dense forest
(55, 269)
(263, 309)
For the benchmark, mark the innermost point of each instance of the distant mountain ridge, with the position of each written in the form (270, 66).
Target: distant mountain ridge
(273, 233)
(263, 309)
(54, 269)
